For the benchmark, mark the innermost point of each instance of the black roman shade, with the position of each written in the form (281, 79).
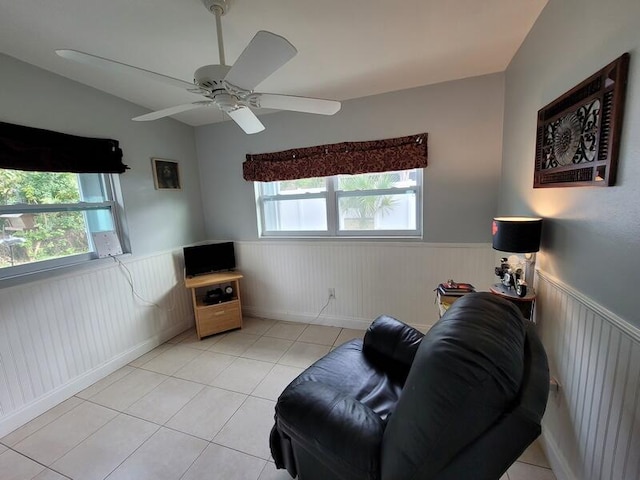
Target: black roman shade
(34, 149)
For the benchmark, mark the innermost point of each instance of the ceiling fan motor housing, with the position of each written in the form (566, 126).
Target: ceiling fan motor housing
(211, 77)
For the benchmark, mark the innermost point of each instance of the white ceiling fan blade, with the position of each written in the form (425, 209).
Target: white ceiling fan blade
(265, 54)
(246, 120)
(167, 112)
(112, 65)
(296, 104)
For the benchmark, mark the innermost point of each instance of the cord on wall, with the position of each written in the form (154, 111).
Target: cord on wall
(331, 296)
(129, 278)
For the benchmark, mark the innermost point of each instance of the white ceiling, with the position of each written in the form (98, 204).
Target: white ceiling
(346, 48)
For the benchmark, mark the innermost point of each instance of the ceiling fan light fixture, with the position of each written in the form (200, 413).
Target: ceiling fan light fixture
(227, 102)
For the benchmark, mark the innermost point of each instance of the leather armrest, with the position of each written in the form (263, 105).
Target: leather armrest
(341, 432)
(393, 340)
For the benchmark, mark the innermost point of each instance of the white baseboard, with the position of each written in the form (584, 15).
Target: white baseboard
(554, 455)
(354, 323)
(54, 397)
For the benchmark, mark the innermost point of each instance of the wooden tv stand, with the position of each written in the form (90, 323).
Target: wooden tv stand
(218, 317)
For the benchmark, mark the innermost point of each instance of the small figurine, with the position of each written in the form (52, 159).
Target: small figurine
(512, 275)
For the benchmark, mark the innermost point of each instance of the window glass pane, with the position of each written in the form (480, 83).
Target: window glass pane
(377, 212)
(38, 188)
(385, 203)
(34, 237)
(295, 187)
(92, 188)
(57, 219)
(295, 215)
(377, 181)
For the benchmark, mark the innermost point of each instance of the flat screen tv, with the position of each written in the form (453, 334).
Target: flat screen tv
(214, 257)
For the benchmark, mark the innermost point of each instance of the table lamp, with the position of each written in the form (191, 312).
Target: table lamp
(518, 235)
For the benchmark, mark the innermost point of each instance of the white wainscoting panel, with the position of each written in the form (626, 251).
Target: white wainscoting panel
(289, 280)
(58, 336)
(591, 428)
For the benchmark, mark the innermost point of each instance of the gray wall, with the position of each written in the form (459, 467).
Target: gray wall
(464, 122)
(158, 219)
(591, 235)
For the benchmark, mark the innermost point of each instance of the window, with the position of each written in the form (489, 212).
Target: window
(372, 204)
(47, 218)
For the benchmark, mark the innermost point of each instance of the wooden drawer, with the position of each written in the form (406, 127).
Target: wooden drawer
(218, 318)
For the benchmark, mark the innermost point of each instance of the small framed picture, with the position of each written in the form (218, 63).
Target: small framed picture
(166, 174)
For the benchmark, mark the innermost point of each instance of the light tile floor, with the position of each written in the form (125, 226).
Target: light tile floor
(187, 410)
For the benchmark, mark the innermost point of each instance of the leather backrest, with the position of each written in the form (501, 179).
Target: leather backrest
(466, 373)
(493, 453)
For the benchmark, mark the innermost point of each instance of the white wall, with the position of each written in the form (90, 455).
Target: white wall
(588, 313)
(60, 335)
(65, 331)
(289, 280)
(157, 219)
(591, 235)
(464, 122)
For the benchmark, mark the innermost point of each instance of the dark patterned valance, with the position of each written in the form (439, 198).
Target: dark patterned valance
(348, 158)
(26, 148)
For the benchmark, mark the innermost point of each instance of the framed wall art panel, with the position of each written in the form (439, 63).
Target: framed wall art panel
(166, 174)
(578, 134)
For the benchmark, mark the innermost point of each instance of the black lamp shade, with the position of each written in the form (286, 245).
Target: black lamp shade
(517, 234)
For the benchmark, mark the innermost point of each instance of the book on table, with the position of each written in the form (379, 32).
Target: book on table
(455, 289)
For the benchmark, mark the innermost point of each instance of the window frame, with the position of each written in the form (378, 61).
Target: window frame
(332, 196)
(113, 204)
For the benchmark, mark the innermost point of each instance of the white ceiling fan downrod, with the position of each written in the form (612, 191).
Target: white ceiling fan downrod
(218, 8)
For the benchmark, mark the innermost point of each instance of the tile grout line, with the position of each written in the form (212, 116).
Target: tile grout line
(46, 467)
(159, 426)
(203, 385)
(133, 452)
(194, 461)
(45, 425)
(118, 413)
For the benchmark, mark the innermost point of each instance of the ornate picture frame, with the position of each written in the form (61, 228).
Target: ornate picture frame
(578, 134)
(166, 174)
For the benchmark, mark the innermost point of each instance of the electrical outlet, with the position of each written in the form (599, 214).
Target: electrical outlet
(332, 292)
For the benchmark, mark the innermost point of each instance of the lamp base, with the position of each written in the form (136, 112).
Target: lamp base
(517, 271)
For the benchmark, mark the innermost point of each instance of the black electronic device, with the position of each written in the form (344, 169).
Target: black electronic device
(218, 295)
(213, 257)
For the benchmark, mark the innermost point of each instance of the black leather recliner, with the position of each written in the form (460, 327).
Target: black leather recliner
(461, 402)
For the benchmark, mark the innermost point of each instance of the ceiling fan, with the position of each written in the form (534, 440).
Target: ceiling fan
(230, 88)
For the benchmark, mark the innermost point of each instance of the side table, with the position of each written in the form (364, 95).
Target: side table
(525, 304)
(444, 302)
(218, 317)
